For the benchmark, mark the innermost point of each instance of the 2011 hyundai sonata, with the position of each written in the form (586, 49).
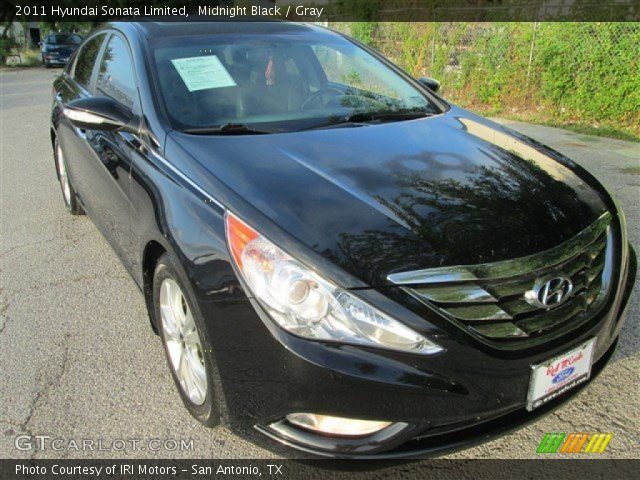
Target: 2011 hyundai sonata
(334, 256)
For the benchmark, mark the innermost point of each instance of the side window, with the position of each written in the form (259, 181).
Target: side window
(116, 78)
(86, 60)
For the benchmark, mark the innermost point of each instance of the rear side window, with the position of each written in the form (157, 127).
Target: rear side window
(86, 60)
(116, 78)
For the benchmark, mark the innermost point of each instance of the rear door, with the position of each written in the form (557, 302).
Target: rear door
(78, 83)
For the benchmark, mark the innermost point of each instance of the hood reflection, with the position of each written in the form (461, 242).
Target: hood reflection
(469, 213)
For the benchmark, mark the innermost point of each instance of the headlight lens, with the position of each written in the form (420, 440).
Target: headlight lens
(309, 306)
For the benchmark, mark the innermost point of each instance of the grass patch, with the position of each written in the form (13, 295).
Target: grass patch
(581, 76)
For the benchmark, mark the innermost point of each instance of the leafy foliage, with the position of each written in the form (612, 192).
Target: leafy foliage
(585, 73)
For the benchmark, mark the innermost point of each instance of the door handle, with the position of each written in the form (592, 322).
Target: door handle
(132, 140)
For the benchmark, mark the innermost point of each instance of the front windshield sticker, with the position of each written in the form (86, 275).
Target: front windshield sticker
(201, 73)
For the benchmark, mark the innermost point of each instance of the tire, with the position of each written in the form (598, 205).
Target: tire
(188, 356)
(69, 195)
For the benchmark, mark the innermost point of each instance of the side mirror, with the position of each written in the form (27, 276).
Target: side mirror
(431, 83)
(100, 113)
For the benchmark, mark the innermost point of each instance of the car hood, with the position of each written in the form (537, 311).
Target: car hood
(453, 189)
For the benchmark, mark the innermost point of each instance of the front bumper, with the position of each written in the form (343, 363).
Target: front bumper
(416, 443)
(448, 401)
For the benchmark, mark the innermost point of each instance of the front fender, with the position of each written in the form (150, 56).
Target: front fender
(170, 212)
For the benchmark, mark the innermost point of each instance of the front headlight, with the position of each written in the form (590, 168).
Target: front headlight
(309, 306)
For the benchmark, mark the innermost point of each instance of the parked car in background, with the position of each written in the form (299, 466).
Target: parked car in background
(57, 48)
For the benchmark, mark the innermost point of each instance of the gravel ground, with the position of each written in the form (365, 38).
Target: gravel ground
(78, 358)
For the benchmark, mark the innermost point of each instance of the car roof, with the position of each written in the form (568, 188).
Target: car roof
(169, 29)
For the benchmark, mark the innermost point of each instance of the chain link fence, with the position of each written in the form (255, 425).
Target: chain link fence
(578, 72)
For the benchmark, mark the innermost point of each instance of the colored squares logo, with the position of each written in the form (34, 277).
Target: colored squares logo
(574, 442)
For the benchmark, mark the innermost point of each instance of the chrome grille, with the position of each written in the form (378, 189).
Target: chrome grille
(490, 299)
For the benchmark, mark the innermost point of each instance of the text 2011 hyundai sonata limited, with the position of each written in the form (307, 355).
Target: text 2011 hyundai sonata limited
(334, 257)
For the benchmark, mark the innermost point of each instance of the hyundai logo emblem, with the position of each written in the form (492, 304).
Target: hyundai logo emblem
(550, 291)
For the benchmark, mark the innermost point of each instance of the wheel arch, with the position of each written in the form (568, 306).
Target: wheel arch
(152, 252)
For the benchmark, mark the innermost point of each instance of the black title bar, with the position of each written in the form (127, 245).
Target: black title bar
(323, 10)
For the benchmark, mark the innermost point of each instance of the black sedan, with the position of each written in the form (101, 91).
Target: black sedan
(57, 48)
(334, 256)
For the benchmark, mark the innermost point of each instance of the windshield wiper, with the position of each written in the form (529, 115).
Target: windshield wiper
(226, 129)
(365, 118)
(385, 116)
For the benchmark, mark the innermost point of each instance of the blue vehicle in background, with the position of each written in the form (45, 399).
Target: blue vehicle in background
(57, 48)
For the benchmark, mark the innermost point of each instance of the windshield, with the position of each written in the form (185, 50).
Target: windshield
(63, 39)
(278, 82)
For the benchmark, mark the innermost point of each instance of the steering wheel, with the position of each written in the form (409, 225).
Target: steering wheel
(323, 91)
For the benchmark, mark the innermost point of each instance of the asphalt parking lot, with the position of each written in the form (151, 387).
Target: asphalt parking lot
(79, 361)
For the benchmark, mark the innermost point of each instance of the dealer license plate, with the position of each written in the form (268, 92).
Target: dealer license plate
(562, 373)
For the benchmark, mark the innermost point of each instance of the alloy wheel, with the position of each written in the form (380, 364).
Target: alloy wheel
(182, 341)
